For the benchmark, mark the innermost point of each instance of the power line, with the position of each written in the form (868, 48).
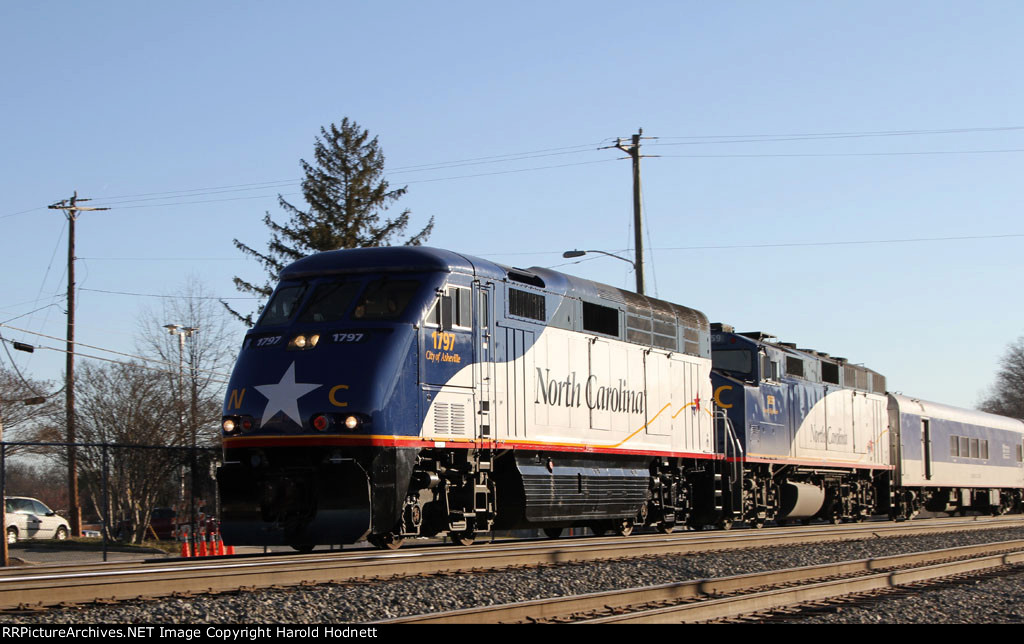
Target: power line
(490, 174)
(180, 297)
(907, 240)
(848, 242)
(25, 382)
(759, 138)
(163, 259)
(135, 364)
(123, 200)
(242, 187)
(119, 353)
(836, 154)
(29, 313)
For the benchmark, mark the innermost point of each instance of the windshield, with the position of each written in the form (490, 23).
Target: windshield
(281, 307)
(737, 361)
(340, 298)
(330, 301)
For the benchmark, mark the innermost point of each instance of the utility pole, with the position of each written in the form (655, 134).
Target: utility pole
(633, 150)
(71, 210)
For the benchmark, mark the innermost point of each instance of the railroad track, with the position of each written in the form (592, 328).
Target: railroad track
(759, 594)
(37, 587)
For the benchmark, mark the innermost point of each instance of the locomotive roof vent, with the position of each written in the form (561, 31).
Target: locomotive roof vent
(719, 327)
(758, 335)
(519, 275)
(788, 345)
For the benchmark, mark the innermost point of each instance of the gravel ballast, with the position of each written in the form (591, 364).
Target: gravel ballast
(976, 601)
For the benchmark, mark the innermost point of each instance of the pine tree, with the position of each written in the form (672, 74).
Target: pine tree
(347, 197)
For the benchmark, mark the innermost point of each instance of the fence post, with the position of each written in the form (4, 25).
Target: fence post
(106, 527)
(3, 493)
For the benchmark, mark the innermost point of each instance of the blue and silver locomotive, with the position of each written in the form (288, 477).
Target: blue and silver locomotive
(392, 392)
(386, 393)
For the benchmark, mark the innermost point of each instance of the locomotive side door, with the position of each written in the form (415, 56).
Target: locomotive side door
(447, 348)
(483, 366)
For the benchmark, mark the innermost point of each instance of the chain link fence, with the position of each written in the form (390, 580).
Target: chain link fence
(133, 502)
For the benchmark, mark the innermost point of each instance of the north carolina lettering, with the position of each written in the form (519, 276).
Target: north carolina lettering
(571, 393)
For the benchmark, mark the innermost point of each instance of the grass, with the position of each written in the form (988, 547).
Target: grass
(96, 543)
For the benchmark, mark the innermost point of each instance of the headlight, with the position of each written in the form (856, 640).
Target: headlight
(303, 342)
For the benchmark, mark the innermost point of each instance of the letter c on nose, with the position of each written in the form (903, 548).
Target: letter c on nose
(335, 401)
(718, 394)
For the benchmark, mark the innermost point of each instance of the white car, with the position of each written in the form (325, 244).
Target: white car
(28, 518)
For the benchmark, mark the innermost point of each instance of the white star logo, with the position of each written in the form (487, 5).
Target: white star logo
(284, 396)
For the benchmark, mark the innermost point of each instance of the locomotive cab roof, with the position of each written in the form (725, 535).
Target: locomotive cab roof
(646, 320)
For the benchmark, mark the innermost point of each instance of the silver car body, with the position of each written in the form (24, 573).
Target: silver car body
(32, 519)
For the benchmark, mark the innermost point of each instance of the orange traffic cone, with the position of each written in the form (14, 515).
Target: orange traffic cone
(220, 546)
(202, 547)
(229, 550)
(184, 549)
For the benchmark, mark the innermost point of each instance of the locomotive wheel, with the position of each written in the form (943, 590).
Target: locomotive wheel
(757, 524)
(304, 548)
(725, 524)
(552, 533)
(389, 541)
(462, 538)
(599, 529)
(666, 528)
(624, 528)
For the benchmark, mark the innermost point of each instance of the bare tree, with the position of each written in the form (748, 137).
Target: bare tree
(1007, 395)
(21, 421)
(123, 411)
(198, 373)
(36, 479)
(143, 414)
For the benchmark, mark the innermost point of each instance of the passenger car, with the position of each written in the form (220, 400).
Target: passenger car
(29, 518)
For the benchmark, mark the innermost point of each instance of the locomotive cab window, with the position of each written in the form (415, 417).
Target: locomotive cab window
(282, 306)
(452, 308)
(385, 299)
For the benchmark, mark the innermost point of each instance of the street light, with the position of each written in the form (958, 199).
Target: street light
(569, 254)
(186, 332)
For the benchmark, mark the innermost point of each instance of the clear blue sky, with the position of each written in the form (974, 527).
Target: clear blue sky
(121, 100)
